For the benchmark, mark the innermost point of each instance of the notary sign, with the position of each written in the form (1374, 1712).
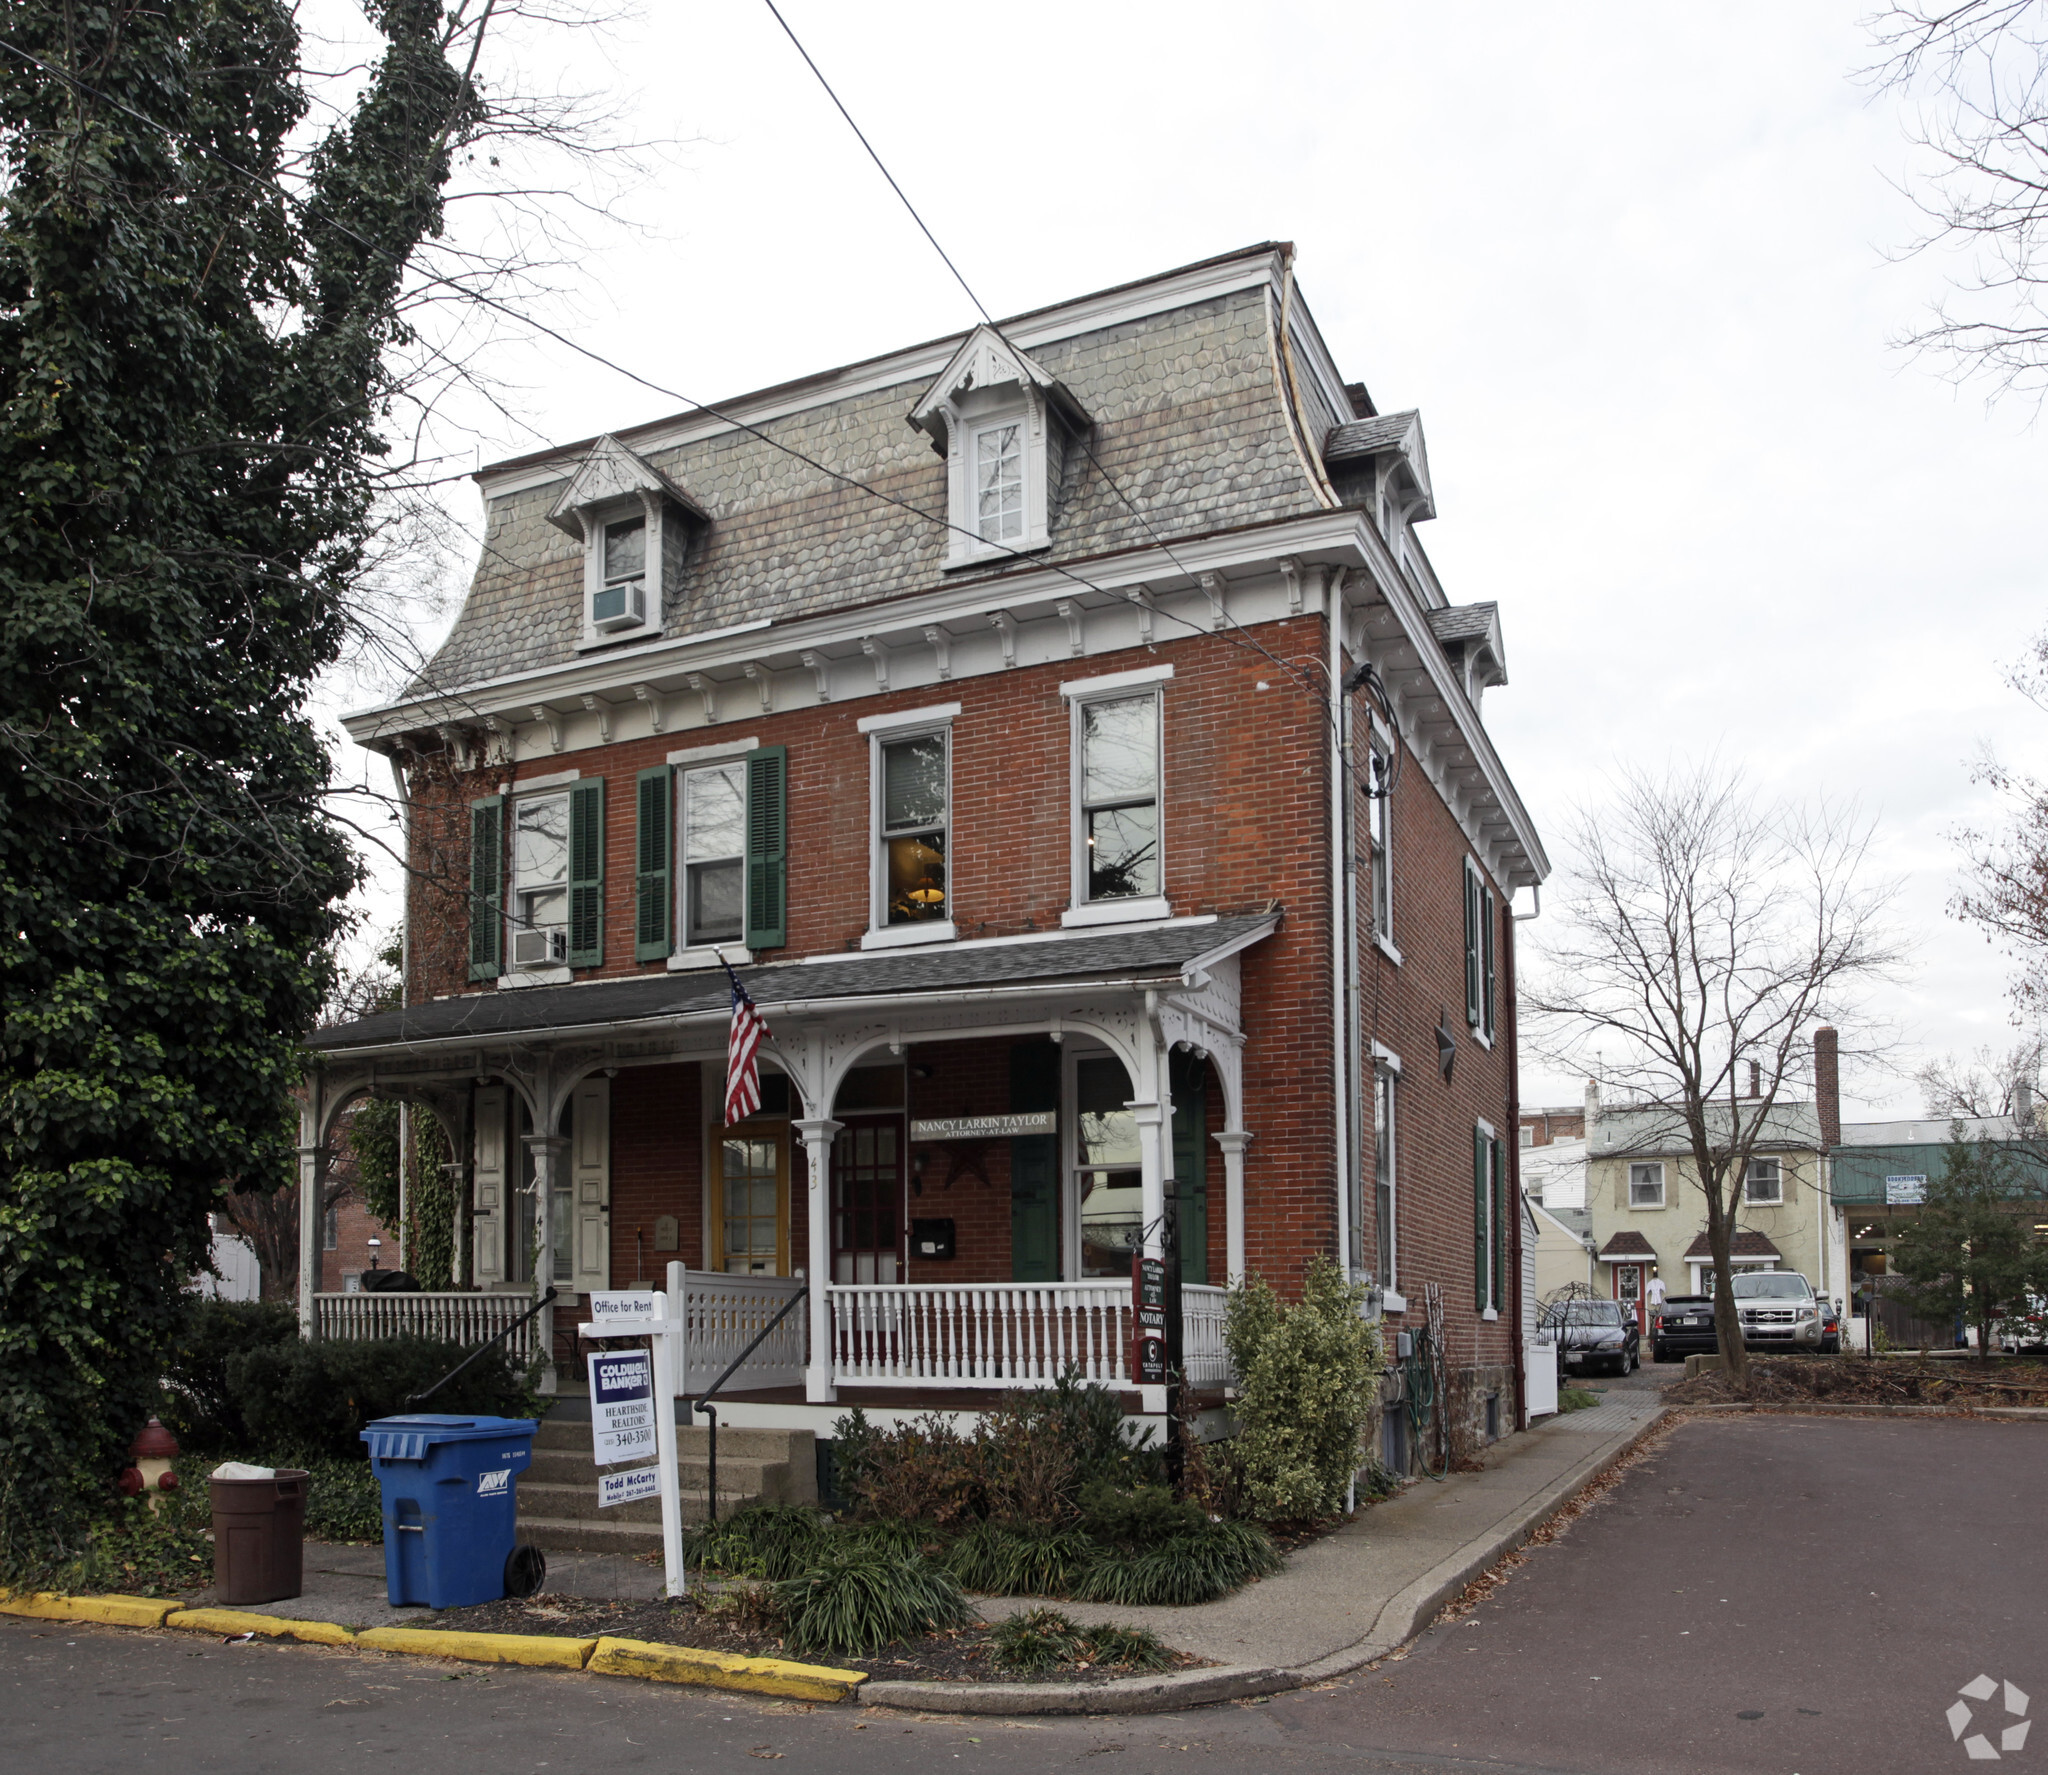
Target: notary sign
(1148, 1321)
(621, 1405)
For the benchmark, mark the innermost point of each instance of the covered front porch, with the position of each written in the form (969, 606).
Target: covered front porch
(957, 1156)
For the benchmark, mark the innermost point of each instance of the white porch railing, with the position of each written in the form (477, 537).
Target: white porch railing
(459, 1318)
(1202, 1309)
(723, 1314)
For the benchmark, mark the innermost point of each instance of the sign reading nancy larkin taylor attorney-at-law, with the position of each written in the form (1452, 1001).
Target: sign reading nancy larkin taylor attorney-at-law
(621, 1405)
(1037, 1121)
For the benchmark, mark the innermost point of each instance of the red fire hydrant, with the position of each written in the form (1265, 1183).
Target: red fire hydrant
(152, 1454)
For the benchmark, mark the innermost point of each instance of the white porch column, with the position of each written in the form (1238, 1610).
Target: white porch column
(312, 1189)
(549, 1151)
(1233, 1141)
(817, 1133)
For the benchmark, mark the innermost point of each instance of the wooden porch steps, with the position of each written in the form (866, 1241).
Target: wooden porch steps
(559, 1511)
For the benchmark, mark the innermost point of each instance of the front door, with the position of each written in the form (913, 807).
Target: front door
(1628, 1289)
(750, 1227)
(867, 1199)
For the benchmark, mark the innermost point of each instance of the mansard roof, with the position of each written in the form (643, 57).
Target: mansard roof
(611, 471)
(1177, 374)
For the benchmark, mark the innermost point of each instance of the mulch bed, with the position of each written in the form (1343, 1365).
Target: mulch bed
(1861, 1380)
(960, 1656)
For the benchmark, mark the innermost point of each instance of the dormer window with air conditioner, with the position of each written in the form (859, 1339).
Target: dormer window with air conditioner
(1003, 425)
(635, 525)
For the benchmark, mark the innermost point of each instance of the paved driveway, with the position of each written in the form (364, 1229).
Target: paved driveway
(1803, 1596)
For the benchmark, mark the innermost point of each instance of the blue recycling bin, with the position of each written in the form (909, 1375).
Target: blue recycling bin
(451, 1504)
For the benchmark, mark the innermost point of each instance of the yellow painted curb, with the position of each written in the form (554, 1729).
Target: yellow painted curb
(480, 1648)
(112, 1611)
(721, 1670)
(319, 1633)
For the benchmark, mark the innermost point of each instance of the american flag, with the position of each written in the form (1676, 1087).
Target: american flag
(742, 1051)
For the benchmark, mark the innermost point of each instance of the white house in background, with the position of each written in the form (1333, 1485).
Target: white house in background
(237, 1275)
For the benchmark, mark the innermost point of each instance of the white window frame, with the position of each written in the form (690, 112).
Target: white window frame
(1386, 1072)
(551, 973)
(734, 946)
(905, 724)
(682, 958)
(1750, 1180)
(1113, 687)
(1496, 1218)
(1380, 843)
(1656, 1165)
(663, 531)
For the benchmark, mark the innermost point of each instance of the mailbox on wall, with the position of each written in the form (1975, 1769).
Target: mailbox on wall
(931, 1238)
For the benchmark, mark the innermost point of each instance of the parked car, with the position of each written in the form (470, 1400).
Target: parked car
(1684, 1326)
(1591, 1332)
(1779, 1311)
(1830, 1329)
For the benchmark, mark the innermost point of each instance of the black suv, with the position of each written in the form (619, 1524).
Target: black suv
(1683, 1326)
(1590, 1331)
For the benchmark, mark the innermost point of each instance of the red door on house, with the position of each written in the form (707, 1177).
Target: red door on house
(1628, 1289)
(867, 1199)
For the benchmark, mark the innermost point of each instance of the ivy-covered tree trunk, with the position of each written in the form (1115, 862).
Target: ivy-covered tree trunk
(193, 371)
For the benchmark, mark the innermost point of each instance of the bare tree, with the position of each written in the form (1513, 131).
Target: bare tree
(1700, 940)
(1986, 1085)
(1980, 71)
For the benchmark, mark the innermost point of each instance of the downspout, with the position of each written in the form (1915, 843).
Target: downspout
(1521, 1356)
(405, 1153)
(1340, 1050)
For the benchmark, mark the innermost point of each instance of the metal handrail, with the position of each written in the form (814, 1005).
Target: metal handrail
(545, 1300)
(704, 1404)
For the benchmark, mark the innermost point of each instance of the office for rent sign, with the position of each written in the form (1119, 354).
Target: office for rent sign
(621, 1405)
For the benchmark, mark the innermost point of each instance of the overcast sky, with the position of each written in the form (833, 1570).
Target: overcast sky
(1635, 265)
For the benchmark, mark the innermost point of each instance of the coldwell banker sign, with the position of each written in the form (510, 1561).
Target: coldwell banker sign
(621, 1405)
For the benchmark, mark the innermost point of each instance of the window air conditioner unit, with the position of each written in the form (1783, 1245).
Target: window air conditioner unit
(621, 606)
(540, 949)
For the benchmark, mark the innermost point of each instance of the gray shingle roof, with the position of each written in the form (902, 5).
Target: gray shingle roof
(1464, 622)
(1155, 954)
(1367, 437)
(1651, 1133)
(1188, 419)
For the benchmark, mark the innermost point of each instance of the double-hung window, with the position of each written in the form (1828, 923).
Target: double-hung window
(1383, 1173)
(1120, 796)
(999, 482)
(1379, 828)
(619, 600)
(540, 882)
(915, 790)
(1481, 988)
(1646, 1185)
(714, 810)
(1764, 1181)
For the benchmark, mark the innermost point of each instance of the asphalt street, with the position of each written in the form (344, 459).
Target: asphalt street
(1796, 1595)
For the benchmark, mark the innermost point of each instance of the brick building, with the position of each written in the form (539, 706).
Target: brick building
(1062, 731)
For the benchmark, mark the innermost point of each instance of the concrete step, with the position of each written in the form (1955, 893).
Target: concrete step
(767, 1445)
(559, 1503)
(589, 1537)
(755, 1478)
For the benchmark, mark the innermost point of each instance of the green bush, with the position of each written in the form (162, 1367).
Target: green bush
(1138, 1518)
(856, 1599)
(1044, 1639)
(1193, 1567)
(199, 1407)
(1307, 1373)
(1006, 1559)
(762, 1541)
(311, 1400)
(343, 1501)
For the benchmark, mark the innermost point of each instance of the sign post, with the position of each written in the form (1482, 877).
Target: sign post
(626, 1389)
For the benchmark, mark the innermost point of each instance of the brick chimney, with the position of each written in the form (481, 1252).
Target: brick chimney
(1827, 1086)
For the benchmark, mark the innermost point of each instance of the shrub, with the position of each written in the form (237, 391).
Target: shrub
(1193, 1567)
(343, 1501)
(1004, 1559)
(311, 1400)
(199, 1407)
(922, 1471)
(1027, 1469)
(761, 1541)
(1044, 1639)
(1088, 1422)
(856, 1599)
(1306, 1378)
(1138, 1518)
(749, 1607)
(1130, 1648)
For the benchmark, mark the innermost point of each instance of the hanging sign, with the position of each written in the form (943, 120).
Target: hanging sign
(1905, 1192)
(1037, 1121)
(621, 1405)
(623, 1488)
(609, 1306)
(1148, 1321)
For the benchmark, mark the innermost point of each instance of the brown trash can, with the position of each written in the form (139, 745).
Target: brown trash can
(259, 1537)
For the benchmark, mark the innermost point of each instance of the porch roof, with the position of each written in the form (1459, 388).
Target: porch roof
(1166, 954)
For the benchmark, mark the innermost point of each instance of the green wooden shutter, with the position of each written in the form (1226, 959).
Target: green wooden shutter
(768, 847)
(1471, 945)
(1498, 1192)
(486, 887)
(586, 873)
(1489, 986)
(653, 852)
(1481, 1218)
(1189, 1079)
(1034, 1166)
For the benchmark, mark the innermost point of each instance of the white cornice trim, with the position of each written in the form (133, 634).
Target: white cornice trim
(1115, 681)
(907, 718)
(919, 364)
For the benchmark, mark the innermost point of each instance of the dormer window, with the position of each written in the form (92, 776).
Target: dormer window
(634, 524)
(1002, 425)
